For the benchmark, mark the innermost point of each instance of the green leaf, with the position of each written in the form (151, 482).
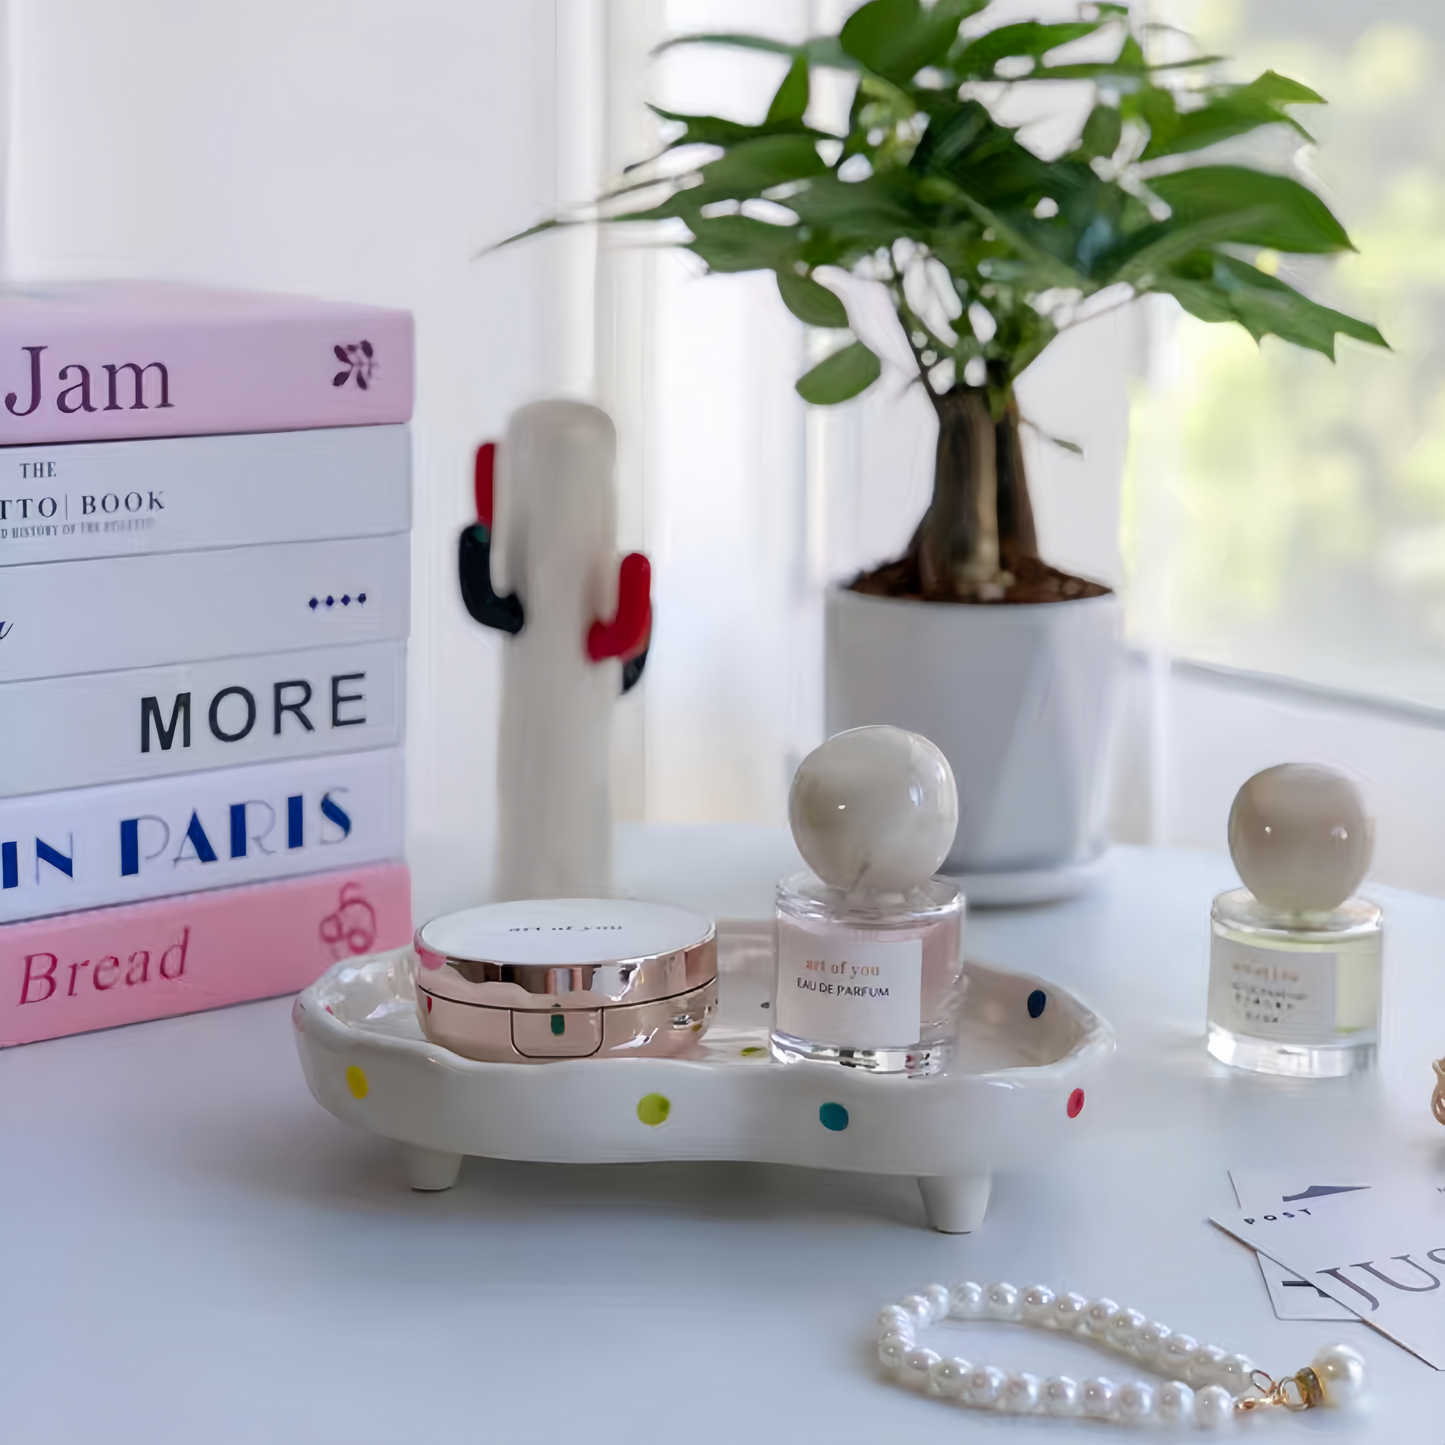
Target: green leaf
(841, 376)
(897, 38)
(1233, 111)
(526, 235)
(1253, 208)
(1027, 38)
(822, 50)
(714, 130)
(811, 302)
(792, 98)
(1264, 305)
(754, 166)
(740, 243)
(1101, 131)
(874, 212)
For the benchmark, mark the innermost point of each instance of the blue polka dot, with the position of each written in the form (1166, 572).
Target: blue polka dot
(1037, 999)
(833, 1117)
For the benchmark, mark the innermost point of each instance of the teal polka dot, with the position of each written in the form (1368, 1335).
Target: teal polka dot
(833, 1117)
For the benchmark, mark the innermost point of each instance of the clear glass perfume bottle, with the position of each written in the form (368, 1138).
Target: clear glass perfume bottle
(1295, 960)
(870, 965)
(872, 981)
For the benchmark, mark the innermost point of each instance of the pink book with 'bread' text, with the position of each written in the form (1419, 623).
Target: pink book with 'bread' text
(81, 971)
(100, 360)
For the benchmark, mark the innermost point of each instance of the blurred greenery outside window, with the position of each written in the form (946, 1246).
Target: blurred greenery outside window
(1282, 514)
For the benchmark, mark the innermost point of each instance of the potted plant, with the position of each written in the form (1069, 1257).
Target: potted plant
(987, 251)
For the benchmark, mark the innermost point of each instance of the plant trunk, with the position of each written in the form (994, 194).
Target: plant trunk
(976, 542)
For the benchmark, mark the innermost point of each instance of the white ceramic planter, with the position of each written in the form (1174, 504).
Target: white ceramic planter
(1018, 697)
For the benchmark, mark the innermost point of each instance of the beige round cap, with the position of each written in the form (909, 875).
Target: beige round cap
(1300, 837)
(874, 808)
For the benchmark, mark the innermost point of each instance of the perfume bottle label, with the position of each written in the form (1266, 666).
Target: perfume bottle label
(850, 991)
(1273, 993)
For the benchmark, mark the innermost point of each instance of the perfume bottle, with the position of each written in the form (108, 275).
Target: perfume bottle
(870, 965)
(1294, 958)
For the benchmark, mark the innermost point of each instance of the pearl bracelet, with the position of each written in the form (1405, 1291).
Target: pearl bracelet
(1211, 1386)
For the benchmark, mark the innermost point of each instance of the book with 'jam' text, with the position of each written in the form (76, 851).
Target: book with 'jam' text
(101, 360)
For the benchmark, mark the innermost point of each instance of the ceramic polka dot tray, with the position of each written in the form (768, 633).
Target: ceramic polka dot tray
(1018, 1089)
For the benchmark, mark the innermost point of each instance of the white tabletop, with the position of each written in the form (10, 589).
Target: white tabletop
(193, 1250)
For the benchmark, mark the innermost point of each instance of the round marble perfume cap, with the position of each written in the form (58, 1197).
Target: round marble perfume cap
(1300, 837)
(874, 808)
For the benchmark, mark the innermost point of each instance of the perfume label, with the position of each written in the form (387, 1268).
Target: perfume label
(850, 991)
(1273, 993)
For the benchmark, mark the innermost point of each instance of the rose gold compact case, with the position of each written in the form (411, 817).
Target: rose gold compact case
(566, 978)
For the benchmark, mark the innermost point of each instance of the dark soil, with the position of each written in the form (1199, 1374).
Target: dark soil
(1033, 581)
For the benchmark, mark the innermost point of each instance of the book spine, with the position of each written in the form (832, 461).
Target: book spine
(111, 966)
(62, 618)
(122, 373)
(93, 847)
(113, 727)
(185, 494)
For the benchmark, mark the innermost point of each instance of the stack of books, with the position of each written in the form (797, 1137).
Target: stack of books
(205, 510)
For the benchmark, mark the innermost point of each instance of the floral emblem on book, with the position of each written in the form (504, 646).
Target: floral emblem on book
(351, 930)
(360, 362)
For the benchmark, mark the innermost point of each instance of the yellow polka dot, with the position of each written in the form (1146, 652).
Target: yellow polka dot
(356, 1082)
(653, 1109)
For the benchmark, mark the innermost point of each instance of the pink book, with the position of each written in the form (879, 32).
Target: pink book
(89, 361)
(107, 966)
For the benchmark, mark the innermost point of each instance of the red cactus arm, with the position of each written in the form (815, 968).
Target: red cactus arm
(625, 635)
(484, 482)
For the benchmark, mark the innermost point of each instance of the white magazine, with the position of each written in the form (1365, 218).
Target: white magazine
(59, 619)
(132, 841)
(112, 727)
(1380, 1252)
(185, 494)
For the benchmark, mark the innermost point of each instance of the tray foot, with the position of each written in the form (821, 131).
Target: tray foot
(956, 1204)
(432, 1169)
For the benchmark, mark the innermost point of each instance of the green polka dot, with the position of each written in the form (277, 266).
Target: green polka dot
(753, 1051)
(559, 1024)
(833, 1117)
(653, 1109)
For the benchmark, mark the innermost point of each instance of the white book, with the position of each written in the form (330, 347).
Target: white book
(91, 847)
(58, 619)
(112, 727)
(184, 494)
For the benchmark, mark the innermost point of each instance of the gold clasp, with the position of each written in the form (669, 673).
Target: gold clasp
(1296, 1392)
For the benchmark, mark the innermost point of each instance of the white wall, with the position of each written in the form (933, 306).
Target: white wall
(358, 149)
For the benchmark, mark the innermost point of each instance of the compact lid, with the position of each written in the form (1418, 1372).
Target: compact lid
(565, 931)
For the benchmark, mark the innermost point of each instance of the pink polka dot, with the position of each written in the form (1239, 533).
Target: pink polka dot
(1076, 1103)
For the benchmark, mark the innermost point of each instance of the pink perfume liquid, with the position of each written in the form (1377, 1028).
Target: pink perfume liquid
(872, 983)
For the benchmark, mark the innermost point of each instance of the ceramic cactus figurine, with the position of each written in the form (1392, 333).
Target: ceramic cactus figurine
(541, 564)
